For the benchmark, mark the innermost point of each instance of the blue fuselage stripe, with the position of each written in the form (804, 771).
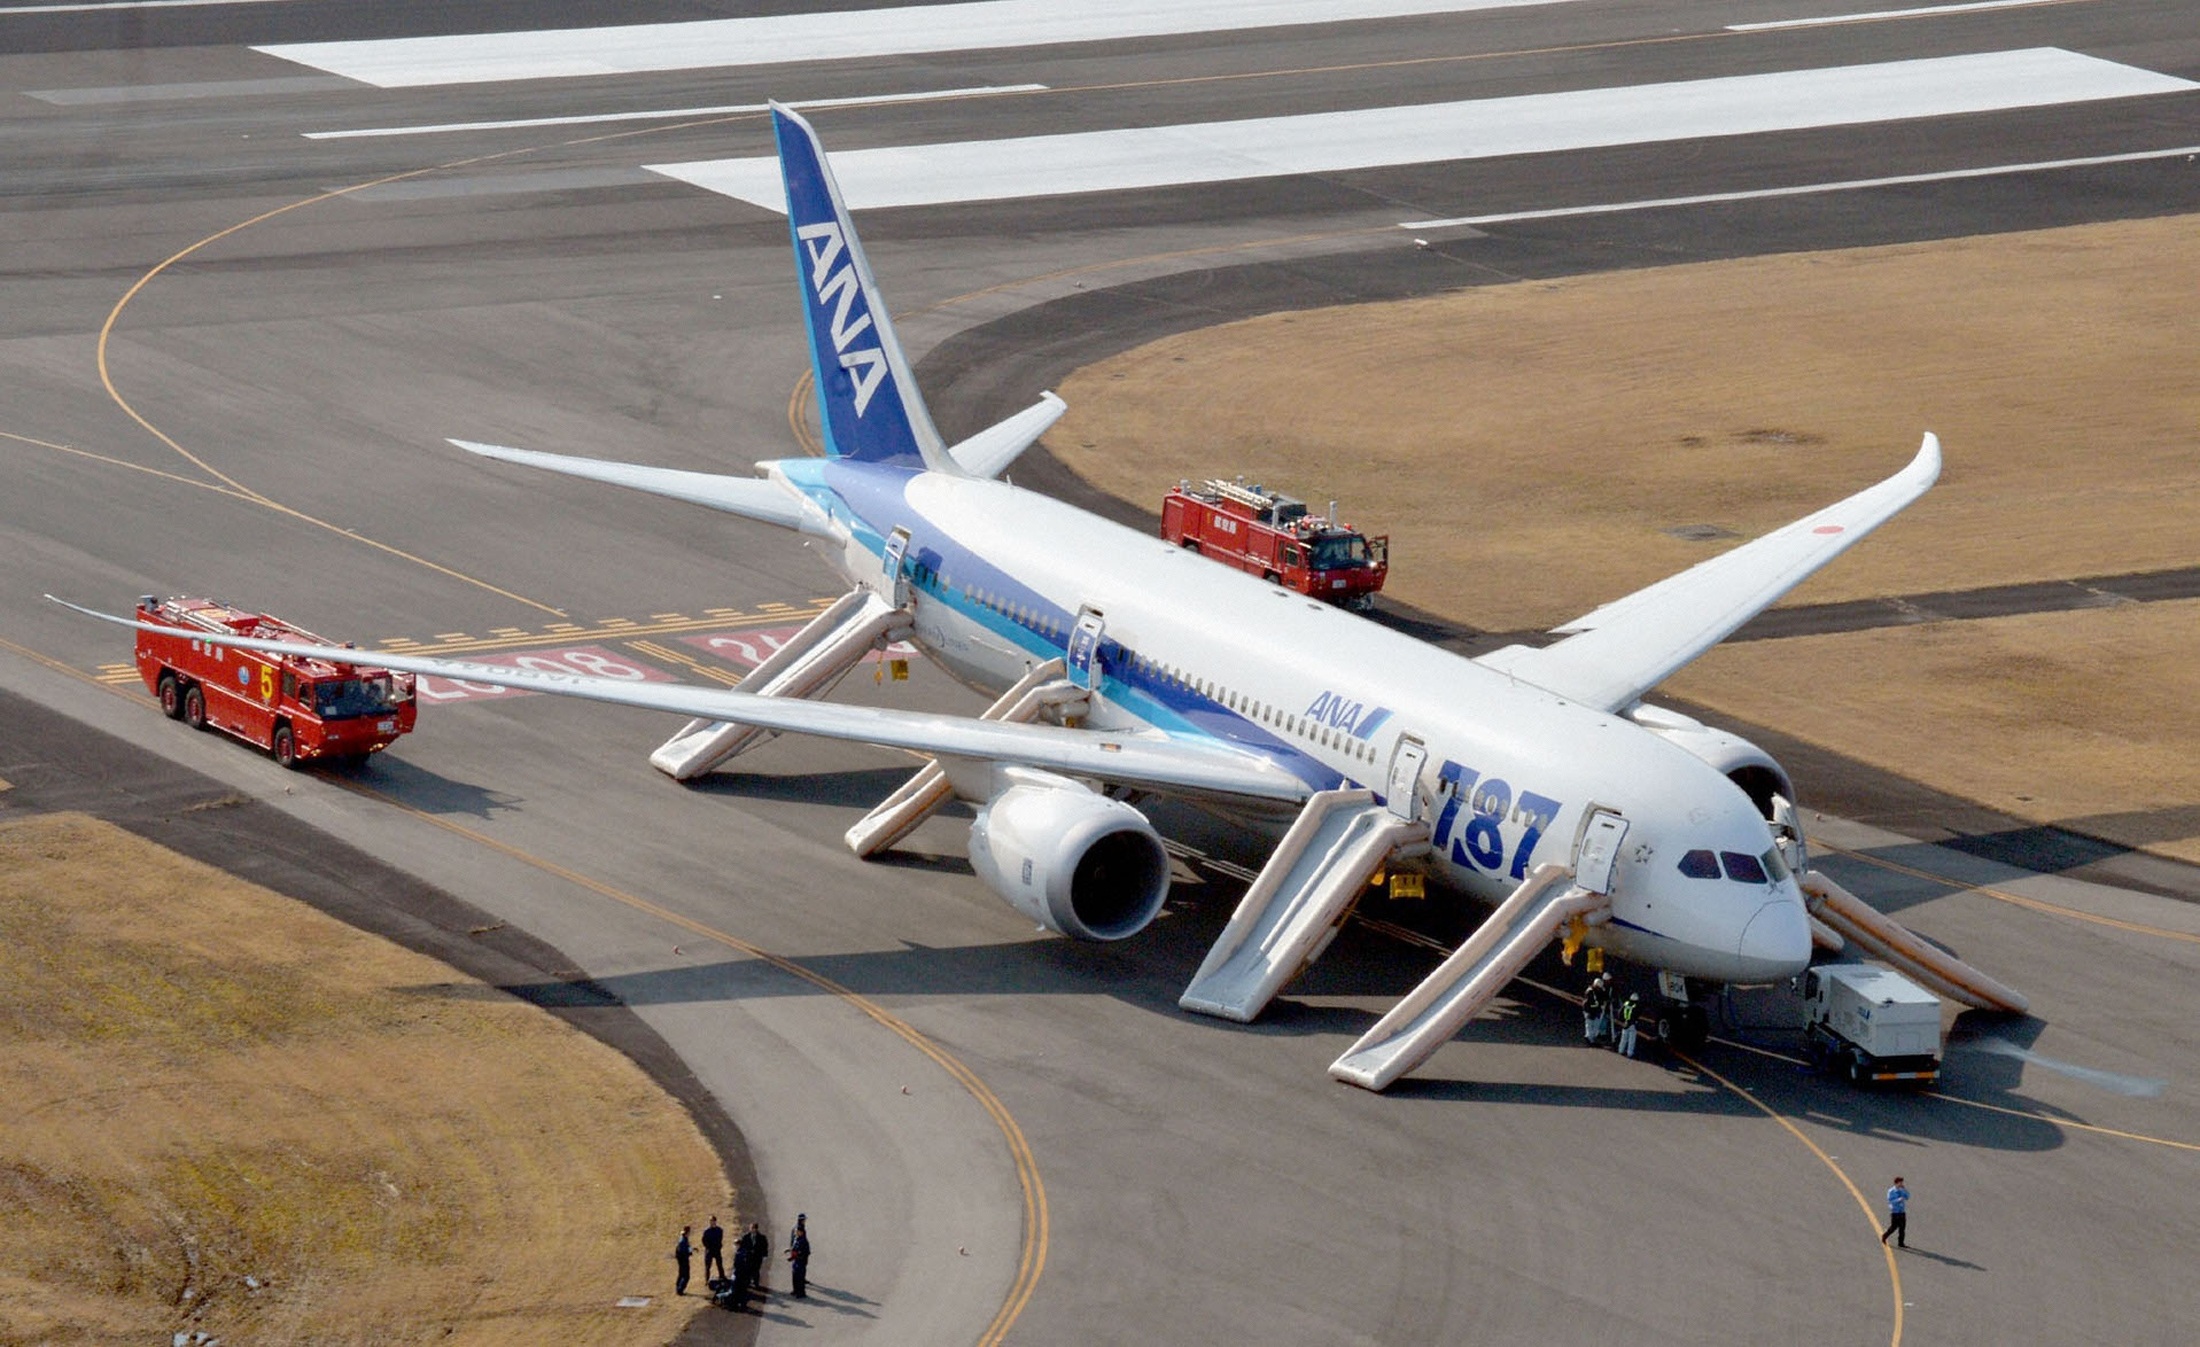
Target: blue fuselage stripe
(867, 496)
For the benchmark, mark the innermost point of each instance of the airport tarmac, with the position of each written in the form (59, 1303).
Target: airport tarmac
(231, 354)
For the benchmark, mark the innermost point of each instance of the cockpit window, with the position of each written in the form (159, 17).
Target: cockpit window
(1700, 865)
(1743, 867)
(1775, 865)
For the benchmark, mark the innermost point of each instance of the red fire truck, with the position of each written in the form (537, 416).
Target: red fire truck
(1275, 537)
(297, 709)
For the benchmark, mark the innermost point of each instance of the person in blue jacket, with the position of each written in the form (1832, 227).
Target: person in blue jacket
(1898, 1215)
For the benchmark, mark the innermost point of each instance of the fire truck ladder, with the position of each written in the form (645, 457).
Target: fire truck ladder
(1895, 944)
(899, 814)
(808, 666)
(1463, 984)
(1297, 904)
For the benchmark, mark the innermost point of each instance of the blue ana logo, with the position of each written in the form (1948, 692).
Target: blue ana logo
(840, 292)
(1340, 712)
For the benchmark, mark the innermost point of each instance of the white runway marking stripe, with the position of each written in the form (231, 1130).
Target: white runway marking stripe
(1808, 189)
(664, 114)
(475, 58)
(1336, 142)
(130, 4)
(1874, 16)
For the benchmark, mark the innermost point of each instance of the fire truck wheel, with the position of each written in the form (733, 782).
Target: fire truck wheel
(194, 707)
(1191, 545)
(286, 746)
(1271, 577)
(171, 697)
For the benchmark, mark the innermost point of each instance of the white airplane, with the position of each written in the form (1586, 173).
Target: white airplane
(1535, 778)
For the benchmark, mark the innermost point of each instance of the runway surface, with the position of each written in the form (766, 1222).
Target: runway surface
(235, 342)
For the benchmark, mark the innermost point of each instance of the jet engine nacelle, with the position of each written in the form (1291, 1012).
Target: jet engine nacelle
(1740, 761)
(1077, 863)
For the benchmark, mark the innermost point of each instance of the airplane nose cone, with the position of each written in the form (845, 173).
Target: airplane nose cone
(1775, 945)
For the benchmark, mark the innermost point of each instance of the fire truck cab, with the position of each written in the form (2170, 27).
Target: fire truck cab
(1275, 536)
(299, 710)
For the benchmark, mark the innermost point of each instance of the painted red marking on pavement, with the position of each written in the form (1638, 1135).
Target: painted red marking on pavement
(588, 661)
(751, 646)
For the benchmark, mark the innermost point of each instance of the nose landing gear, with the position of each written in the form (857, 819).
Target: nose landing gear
(1684, 1023)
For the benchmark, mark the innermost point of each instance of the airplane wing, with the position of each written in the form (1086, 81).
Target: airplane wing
(1614, 655)
(1151, 760)
(758, 498)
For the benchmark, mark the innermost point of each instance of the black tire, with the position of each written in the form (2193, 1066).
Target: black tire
(194, 707)
(1856, 1068)
(1271, 577)
(171, 696)
(1191, 545)
(1687, 1028)
(285, 747)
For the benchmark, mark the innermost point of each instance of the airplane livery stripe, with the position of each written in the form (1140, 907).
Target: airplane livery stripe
(1333, 142)
(474, 58)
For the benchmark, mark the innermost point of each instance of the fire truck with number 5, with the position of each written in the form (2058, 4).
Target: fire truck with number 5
(299, 710)
(1274, 536)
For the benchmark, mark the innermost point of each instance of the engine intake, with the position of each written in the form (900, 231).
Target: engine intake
(1077, 863)
(1740, 761)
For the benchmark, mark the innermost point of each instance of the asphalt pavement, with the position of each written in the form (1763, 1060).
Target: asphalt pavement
(231, 354)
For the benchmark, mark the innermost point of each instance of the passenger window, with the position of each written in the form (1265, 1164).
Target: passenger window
(1742, 867)
(1700, 865)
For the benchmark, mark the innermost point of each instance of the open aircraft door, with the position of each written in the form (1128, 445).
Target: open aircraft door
(893, 579)
(1402, 790)
(1598, 850)
(1083, 656)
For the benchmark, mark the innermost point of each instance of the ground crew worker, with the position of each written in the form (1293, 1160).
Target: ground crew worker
(761, 1243)
(714, 1249)
(744, 1272)
(1596, 1008)
(798, 1255)
(1898, 1215)
(1629, 1011)
(681, 1254)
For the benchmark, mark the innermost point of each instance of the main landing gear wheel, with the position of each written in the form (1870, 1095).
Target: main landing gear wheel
(1686, 1028)
(286, 746)
(171, 696)
(194, 707)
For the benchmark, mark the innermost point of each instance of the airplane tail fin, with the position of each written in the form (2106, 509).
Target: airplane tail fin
(868, 404)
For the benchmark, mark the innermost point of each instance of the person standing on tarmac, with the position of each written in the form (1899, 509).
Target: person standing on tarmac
(798, 1255)
(1898, 1215)
(1630, 1010)
(744, 1271)
(714, 1249)
(682, 1254)
(1596, 1008)
(760, 1245)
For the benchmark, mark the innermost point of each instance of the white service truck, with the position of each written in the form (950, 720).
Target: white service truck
(1870, 1024)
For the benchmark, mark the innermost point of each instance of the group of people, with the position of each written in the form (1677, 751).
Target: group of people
(751, 1255)
(1604, 1022)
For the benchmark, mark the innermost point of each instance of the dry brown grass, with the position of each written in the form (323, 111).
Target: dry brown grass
(1528, 446)
(206, 1082)
(2083, 718)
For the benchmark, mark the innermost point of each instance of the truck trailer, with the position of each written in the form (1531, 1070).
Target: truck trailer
(1871, 1025)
